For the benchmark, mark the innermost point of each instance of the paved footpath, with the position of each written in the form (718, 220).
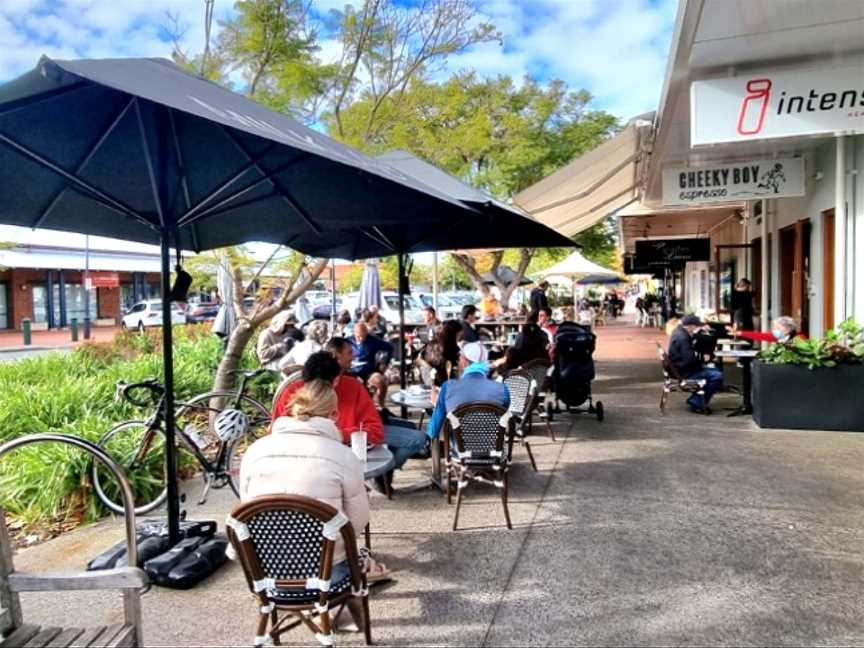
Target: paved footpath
(642, 529)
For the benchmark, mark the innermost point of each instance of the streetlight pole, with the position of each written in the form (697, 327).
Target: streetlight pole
(86, 286)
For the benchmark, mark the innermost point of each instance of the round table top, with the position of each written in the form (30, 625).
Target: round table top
(379, 460)
(731, 342)
(737, 353)
(409, 399)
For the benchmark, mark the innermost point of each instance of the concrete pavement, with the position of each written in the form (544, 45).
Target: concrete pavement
(642, 529)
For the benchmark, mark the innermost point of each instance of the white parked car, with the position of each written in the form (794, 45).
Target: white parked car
(149, 313)
(447, 308)
(390, 307)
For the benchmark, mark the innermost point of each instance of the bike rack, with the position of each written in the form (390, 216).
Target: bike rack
(98, 453)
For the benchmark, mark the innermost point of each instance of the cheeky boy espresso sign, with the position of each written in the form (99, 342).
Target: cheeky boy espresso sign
(734, 181)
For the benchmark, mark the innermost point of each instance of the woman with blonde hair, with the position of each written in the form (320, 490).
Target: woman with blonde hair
(304, 455)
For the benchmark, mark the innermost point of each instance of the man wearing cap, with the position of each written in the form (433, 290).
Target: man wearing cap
(688, 363)
(474, 386)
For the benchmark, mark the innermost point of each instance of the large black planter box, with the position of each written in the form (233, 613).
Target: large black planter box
(797, 398)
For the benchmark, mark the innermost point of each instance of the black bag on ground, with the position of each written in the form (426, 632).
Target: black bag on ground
(188, 562)
(152, 539)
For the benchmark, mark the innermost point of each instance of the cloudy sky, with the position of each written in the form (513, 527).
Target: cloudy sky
(616, 49)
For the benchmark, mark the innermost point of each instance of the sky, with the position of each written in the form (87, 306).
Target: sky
(616, 49)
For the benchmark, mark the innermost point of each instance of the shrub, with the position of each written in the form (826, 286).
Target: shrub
(74, 394)
(843, 345)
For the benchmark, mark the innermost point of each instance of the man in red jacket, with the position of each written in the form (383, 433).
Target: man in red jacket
(356, 409)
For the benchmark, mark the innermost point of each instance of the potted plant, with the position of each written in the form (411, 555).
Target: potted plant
(812, 384)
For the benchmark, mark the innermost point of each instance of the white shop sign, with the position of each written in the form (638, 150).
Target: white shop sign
(759, 106)
(734, 181)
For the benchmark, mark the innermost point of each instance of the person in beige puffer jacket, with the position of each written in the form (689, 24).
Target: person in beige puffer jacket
(305, 455)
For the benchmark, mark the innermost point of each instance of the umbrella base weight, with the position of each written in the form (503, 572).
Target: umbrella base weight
(200, 552)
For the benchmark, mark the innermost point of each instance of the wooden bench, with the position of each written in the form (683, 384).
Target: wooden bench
(132, 581)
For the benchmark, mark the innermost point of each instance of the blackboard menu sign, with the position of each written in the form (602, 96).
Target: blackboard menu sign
(665, 252)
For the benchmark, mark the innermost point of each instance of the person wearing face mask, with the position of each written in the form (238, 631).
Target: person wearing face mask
(783, 329)
(689, 364)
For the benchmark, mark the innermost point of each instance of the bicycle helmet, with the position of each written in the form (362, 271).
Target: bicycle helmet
(230, 425)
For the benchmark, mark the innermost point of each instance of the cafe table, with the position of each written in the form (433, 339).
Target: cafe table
(745, 357)
(379, 461)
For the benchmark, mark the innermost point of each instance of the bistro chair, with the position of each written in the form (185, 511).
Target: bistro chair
(540, 371)
(523, 393)
(673, 382)
(291, 377)
(474, 438)
(285, 545)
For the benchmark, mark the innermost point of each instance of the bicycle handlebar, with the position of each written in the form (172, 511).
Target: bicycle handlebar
(127, 391)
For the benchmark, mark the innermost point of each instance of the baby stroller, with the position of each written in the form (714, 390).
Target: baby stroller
(574, 370)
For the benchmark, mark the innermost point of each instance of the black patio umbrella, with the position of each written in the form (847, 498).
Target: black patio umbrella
(139, 149)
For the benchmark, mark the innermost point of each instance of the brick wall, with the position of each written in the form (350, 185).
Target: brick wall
(21, 300)
(109, 303)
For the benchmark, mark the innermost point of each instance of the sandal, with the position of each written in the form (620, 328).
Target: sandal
(377, 572)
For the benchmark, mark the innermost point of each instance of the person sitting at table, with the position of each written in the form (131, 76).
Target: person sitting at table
(689, 364)
(356, 409)
(442, 353)
(546, 324)
(277, 339)
(305, 455)
(367, 363)
(531, 344)
(343, 324)
(474, 386)
(375, 322)
(316, 335)
(427, 332)
(469, 330)
(783, 329)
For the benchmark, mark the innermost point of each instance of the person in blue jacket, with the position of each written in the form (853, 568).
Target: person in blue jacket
(473, 386)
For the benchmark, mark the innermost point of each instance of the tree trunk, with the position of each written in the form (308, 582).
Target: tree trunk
(467, 263)
(247, 324)
(525, 255)
(237, 342)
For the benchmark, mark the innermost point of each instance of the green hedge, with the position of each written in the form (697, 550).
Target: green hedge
(73, 393)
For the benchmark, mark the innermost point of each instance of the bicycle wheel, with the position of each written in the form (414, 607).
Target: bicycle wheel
(196, 417)
(144, 467)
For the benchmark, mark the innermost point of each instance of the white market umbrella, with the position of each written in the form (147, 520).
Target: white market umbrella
(576, 268)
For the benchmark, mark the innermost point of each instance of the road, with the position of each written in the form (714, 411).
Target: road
(12, 356)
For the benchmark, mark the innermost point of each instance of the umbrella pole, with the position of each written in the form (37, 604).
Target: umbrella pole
(168, 367)
(332, 297)
(402, 369)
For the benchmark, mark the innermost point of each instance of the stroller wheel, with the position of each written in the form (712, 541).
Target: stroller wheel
(550, 411)
(598, 408)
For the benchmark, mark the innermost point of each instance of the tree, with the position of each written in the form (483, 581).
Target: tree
(600, 243)
(386, 45)
(491, 133)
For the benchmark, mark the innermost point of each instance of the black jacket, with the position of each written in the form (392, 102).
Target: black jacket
(469, 333)
(681, 353)
(539, 301)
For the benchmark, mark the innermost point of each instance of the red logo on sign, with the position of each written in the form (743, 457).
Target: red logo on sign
(752, 115)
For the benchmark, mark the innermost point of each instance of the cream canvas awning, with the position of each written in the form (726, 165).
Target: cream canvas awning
(591, 187)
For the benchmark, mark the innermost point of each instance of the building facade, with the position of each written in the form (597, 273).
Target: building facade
(43, 278)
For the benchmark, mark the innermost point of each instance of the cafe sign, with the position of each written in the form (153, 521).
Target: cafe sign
(824, 101)
(734, 181)
(671, 252)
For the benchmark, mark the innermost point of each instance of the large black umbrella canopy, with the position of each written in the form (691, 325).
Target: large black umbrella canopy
(130, 148)
(497, 225)
(139, 149)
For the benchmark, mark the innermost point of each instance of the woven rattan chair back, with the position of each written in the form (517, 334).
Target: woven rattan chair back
(523, 389)
(539, 371)
(475, 435)
(285, 545)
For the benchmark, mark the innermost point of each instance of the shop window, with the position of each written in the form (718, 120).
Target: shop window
(4, 311)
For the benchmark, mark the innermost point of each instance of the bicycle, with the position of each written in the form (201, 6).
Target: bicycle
(139, 446)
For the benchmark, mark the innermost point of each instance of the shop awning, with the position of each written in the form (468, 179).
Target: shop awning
(637, 222)
(591, 187)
